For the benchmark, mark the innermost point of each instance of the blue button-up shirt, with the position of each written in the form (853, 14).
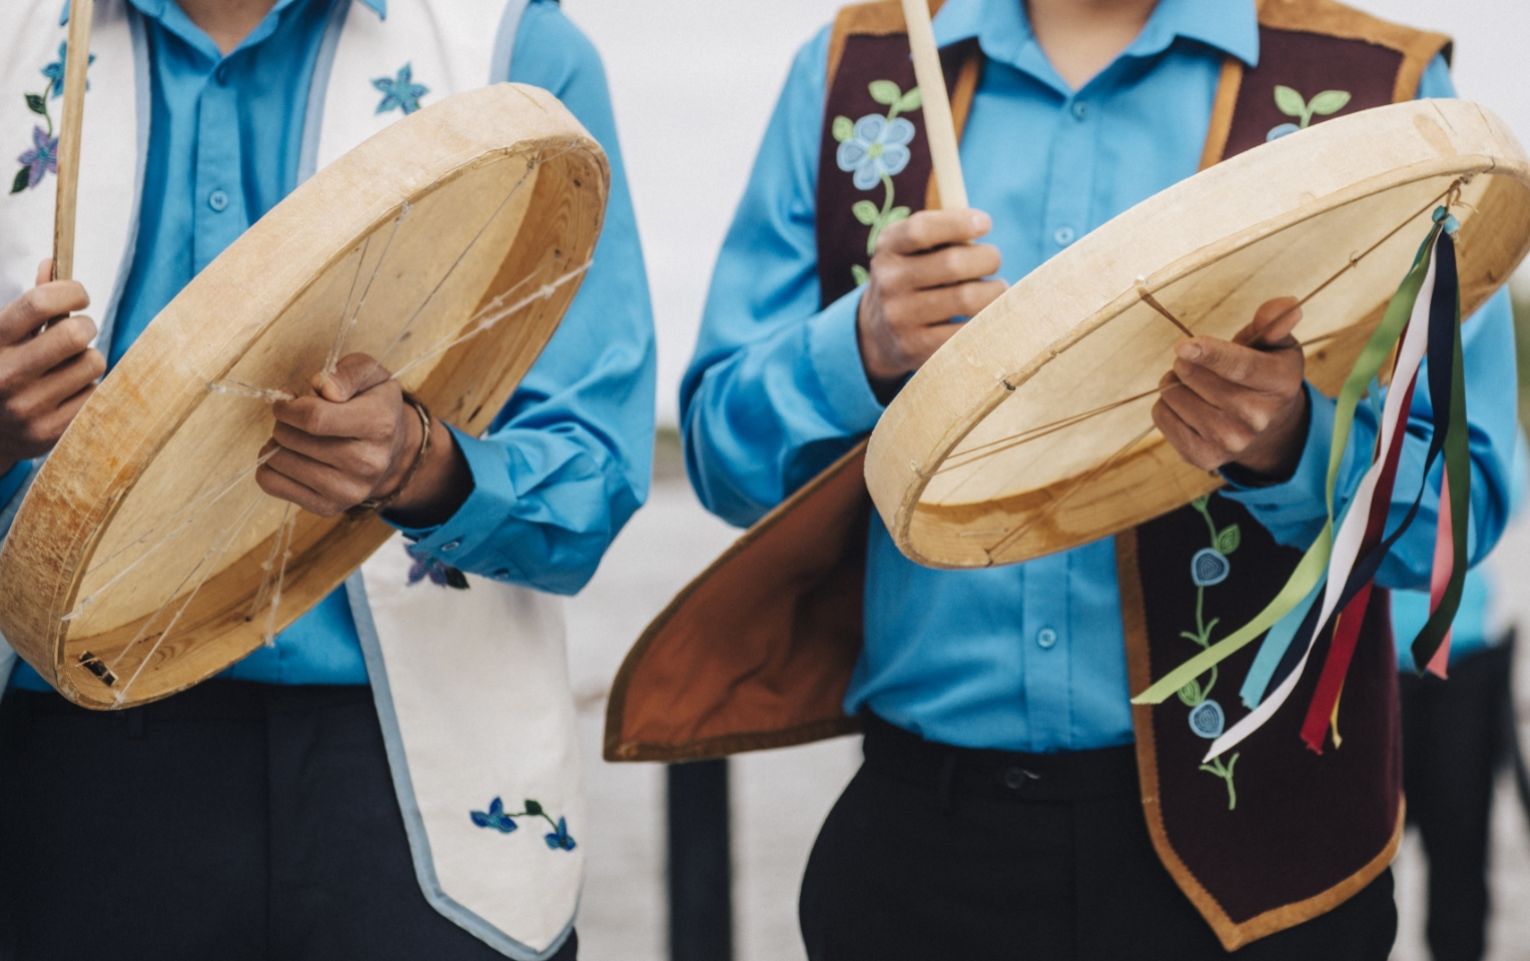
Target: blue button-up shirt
(1028, 657)
(567, 461)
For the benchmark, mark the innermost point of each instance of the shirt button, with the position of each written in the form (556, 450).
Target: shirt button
(1063, 236)
(1080, 110)
(451, 545)
(1046, 637)
(221, 73)
(218, 201)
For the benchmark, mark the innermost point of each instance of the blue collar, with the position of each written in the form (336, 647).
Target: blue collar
(1002, 28)
(156, 8)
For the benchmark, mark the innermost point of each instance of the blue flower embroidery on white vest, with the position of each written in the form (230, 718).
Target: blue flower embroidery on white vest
(400, 92)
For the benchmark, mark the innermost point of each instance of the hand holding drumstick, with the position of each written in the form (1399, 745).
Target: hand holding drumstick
(356, 438)
(47, 367)
(1239, 402)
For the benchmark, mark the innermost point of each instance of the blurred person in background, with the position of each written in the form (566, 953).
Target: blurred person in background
(1457, 734)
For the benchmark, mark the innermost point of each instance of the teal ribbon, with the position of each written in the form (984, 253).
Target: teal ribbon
(1274, 648)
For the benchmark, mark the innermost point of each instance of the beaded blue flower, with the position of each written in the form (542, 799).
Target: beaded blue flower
(877, 147)
(1207, 719)
(38, 162)
(1209, 566)
(400, 92)
(496, 818)
(55, 71)
(559, 839)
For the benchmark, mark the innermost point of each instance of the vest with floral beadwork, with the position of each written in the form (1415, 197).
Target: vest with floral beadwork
(493, 821)
(1272, 834)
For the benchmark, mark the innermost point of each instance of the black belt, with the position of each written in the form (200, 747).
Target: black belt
(1006, 775)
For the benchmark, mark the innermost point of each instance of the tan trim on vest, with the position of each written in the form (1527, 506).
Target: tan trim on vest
(1332, 19)
(1231, 934)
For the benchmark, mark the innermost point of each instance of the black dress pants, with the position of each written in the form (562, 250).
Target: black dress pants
(231, 822)
(1453, 742)
(941, 853)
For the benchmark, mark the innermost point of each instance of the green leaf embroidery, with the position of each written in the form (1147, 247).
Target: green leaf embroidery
(1329, 102)
(1290, 102)
(885, 92)
(37, 104)
(1229, 538)
(843, 128)
(533, 808)
(866, 212)
(896, 214)
(23, 179)
(912, 100)
(861, 274)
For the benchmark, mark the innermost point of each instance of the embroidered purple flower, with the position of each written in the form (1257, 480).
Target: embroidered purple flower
(400, 92)
(495, 818)
(40, 161)
(1209, 566)
(559, 838)
(55, 71)
(877, 147)
(439, 574)
(1207, 719)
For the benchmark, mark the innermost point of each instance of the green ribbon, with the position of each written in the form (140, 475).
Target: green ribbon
(1311, 569)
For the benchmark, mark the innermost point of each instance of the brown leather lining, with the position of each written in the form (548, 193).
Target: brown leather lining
(804, 564)
(1231, 934)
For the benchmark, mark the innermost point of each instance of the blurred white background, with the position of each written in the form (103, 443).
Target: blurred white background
(694, 82)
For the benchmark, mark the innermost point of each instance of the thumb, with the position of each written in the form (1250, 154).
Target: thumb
(1273, 322)
(355, 374)
(44, 272)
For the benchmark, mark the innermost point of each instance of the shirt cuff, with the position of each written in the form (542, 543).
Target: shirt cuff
(473, 526)
(1304, 490)
(835, 352)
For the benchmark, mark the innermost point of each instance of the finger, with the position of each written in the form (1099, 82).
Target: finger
(334, 486)
(1190, 445)
(282, 487)
(45, 431)
(949, 265)
(1273, 322)
(1217, 427)
(355, 457)
(934, 228)
(355, 374)
(373, 416)
(25, 362)
(931, 339)
(23, 316)
(58, 385)
(44, 272)
(1216, 390)
(939, 305)
(1263, 370)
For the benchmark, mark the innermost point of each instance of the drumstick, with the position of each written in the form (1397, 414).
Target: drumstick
(75, 66)
(937, 105)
